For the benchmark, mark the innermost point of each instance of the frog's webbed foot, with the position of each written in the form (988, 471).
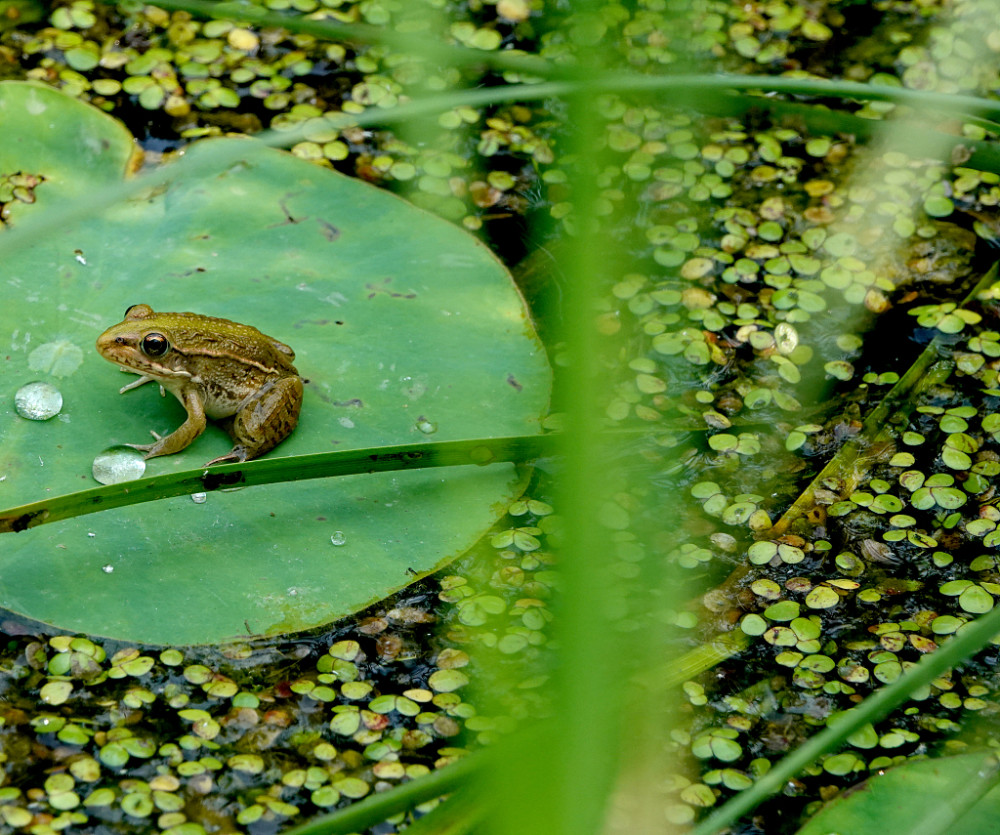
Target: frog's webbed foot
(147, 447)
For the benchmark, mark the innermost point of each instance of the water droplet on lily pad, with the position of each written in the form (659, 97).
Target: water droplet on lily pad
(426, 426)
(199, 498)
(338, 538)
(38, 401)
(117, 464)
(107, 569)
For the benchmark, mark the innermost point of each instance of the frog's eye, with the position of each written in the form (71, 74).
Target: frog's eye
(154, 345)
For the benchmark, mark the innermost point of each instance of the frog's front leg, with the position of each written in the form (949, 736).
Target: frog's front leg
(183, 434)
(264, 421)
(140, 382)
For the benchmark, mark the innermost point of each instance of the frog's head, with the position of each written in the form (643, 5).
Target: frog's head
(144, 343)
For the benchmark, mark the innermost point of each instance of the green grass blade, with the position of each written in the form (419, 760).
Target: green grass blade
(275, 470)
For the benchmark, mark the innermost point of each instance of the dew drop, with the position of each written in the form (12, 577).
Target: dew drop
(107, 569)
(338, 538)
(117, 464)
(199, 498)
(38, 401)
(428, 427)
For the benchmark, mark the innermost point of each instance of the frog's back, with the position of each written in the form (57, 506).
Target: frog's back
(222, 338)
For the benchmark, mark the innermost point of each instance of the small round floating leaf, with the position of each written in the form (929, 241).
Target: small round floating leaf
(886, 503)
(705, 489)
(718, 746)
(839, 369)
(946, 624)
(783, 610)
(962, 442)
(938, 206)
(955, 459)
(56, 692)
(978, 527)
(790, 554)
(842, 764)
(953, 423)
(446, 681)
(766, 588)
(888, 671)
(723, 442)
(975, 599)
(781, 636)
(850, 564)
(113, 755)
(950, 498)
(864, 738)
(794, 440)
(841, 508)
(761, 553)
(822, 597)
(841, 244)
(805, 628)
(921, 540)
(819, 663)
(137, 805)
(975, 484)
(752, 624)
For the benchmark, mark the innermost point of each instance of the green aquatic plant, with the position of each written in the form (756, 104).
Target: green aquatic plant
(725, 286)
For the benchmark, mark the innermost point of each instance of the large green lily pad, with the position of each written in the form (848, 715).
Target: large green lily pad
(400, 323)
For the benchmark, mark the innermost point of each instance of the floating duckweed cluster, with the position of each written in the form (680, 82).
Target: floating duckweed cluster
(151, 740)
(870, 577)
(18, 187)
(755, 276)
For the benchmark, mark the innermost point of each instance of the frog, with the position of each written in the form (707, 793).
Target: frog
(218, 369)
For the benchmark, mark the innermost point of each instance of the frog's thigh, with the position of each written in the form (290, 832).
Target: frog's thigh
(269, 418)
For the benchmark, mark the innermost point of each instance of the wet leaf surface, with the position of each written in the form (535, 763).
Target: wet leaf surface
(399, 322)
(924, 796)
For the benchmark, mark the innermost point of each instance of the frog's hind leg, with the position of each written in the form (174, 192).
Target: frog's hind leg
(264, 421)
